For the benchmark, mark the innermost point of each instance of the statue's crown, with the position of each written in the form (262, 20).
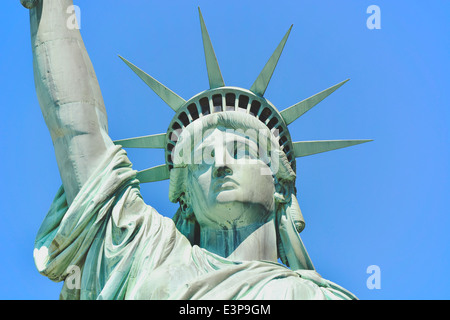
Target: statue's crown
(221, 98)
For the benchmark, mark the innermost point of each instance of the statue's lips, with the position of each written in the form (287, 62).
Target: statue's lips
(224, 184)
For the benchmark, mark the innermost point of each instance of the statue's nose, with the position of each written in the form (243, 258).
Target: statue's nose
(222, 171)
(222, 162)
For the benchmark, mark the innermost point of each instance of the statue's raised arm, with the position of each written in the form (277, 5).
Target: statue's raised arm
(68, 92)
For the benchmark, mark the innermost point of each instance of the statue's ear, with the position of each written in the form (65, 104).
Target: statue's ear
(283, 191)
(185, 220)
(186, 209)
(188, 227)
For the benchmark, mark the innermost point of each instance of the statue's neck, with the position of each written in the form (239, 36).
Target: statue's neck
(253, 242)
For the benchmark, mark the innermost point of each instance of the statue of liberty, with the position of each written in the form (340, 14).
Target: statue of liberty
(231, 164)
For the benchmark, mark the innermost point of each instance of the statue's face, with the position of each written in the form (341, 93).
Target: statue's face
(231, 187)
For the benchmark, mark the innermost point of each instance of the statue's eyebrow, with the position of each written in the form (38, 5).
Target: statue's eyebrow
(203, 144)
(238, 137)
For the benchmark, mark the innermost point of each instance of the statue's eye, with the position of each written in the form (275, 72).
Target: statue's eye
(240, 150)
(235, 150)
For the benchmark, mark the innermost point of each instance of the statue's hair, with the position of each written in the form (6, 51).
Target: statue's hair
(284, 176)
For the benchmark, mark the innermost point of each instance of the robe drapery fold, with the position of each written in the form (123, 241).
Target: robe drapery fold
(109, 244)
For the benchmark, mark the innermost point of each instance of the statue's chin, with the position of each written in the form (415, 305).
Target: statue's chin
(227, 195)
(229, 212)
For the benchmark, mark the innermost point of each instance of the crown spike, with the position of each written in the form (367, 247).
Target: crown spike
(214, 74)
(156, 141)
(294, 112)
(171, 98)
(158, 173)
(306, 148)
(261, 83)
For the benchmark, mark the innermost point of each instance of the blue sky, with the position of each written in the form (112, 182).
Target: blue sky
(383, 203)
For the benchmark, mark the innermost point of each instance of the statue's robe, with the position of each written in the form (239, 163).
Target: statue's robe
(124, 249)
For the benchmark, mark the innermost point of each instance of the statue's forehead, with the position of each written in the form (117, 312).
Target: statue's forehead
(221, 135)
